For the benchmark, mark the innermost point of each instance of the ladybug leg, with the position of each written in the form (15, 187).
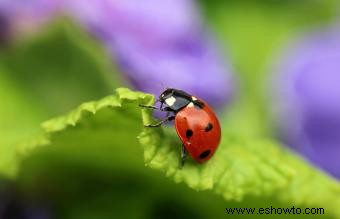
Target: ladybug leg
(183, 156)
(167, 119)
(151, 107)
(167, 113)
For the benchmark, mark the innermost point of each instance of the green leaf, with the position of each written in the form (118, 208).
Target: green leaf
(89, 162)
(15, 123)
(245, 167)
(108, 113)
(105, 130)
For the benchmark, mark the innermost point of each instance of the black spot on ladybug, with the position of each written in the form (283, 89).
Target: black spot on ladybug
(198, 104)
(205, 154)
(189, 133)
(209, 127)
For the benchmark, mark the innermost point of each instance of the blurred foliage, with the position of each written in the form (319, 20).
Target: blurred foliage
(56, 60)
(92, 165)
(47, 75)
(252, 33)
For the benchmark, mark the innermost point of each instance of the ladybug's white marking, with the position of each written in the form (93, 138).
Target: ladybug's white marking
(170, 101)
(193, 98)
(191, 104)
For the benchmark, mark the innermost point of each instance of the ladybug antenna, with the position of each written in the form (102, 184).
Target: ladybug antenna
(163, 86)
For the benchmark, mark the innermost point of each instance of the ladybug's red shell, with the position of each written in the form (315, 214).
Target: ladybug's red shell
(199, 130)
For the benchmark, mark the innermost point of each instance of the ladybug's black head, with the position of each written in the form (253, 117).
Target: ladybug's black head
(167, 93)
(174, 99)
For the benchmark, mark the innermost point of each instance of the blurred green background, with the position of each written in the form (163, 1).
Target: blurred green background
(50, 72)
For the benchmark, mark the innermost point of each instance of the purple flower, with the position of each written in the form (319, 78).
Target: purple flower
(308, 98)
(26, 15)
(18, 10)
(159, 44)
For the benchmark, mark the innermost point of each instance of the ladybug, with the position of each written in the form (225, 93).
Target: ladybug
(196, 123)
